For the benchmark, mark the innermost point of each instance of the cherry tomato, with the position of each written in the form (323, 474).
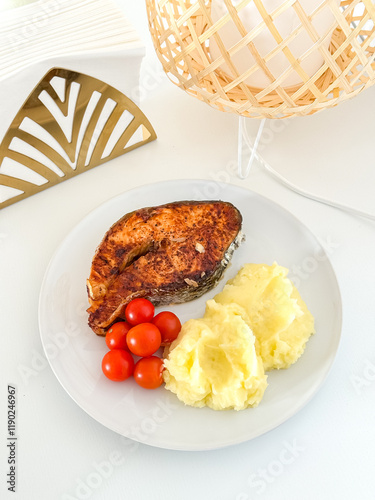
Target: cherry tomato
(169, 326)
(116, 336)
(144, 339)
(148, 372)
(118, 365)
(139, 311)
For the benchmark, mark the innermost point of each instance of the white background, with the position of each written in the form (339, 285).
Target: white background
(60, 447)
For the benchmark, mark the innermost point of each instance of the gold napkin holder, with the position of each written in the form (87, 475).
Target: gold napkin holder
(80, 144)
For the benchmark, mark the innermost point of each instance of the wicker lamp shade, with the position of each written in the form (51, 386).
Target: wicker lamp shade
(184, 34)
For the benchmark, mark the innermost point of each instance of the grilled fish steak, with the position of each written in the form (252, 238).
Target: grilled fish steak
(172, 253)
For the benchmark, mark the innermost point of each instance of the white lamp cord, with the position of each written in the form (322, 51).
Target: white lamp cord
(254, 154)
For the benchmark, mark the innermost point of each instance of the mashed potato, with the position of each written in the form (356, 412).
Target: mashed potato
(276, 313)
(258, 322)
(214, 361)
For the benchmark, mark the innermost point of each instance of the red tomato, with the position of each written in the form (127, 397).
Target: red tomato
(116, 336)
(139, 311)
(169, 326)
(148, 372)
(144, 339)
(118, 365)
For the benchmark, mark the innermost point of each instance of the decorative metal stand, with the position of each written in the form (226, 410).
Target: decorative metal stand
(70, 123)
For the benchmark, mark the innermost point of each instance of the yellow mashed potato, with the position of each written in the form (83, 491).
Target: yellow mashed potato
(276, 313)
(214, 361)
(257, 323)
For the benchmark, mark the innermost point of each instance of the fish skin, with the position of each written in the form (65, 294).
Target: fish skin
(157, 253)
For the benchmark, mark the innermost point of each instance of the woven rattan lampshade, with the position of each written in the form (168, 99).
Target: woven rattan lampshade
(183, 33)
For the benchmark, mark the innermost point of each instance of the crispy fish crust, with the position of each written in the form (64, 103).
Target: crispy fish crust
(169, 254)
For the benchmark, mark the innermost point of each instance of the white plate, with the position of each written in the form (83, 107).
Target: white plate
(157, 417)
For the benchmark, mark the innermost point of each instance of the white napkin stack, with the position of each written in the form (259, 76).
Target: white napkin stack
(50, 28)
(92, 37)
(88, 36)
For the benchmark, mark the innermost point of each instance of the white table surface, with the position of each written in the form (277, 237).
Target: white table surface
(60, 447)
